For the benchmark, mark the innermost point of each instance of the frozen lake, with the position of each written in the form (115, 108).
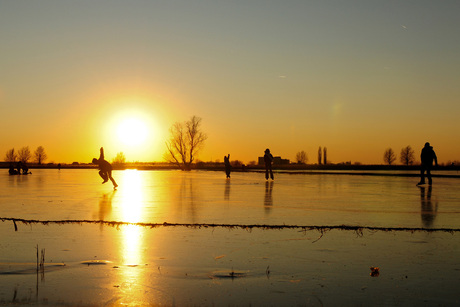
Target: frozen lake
(207, 197)
(226, 266)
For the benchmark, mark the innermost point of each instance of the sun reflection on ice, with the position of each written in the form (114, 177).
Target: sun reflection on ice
(131, 211)
(132, 245)
(131, 196)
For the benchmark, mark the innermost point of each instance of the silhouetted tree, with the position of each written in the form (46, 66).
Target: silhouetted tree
(301, 157)
(320, 157)
(236, 163)
(119, 158)
(185, 141)
(24, 154)
(407, 156)
(389, 156)
(10, 155)
(40, 155)
(325, 155)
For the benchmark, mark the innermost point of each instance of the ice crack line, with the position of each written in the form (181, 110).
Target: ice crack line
(321, 228)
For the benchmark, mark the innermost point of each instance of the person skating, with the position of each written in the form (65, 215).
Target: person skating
(268, 159)
(427, 157)
(105, 168)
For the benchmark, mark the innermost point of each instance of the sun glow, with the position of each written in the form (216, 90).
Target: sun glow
(132, 131)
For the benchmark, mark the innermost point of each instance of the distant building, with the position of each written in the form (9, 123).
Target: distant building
(276, 161)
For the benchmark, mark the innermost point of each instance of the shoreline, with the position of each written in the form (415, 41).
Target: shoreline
(291, 169)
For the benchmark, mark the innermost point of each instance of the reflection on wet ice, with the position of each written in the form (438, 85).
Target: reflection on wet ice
(105, 205)
(428, 211)
(268, 200)
(131, 244)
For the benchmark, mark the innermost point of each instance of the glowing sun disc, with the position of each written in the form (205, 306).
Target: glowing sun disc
(132, 131)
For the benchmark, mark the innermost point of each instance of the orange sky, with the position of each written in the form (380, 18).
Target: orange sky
(354, 77)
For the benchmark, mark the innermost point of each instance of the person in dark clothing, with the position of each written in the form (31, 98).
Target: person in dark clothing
(228, 167)
(105, 168)
(427, 157)
(12, 171)
(268, 159)
(25, 169)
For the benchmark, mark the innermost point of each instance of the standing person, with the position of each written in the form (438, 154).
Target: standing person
(268, 159)
(105, 169)
(427, 156)
(228, 167)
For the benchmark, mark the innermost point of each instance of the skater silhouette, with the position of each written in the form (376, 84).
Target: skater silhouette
(268, 159)
(427, 156)
(228, 167)
(105, 169)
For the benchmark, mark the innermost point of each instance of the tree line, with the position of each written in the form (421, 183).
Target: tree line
(302, 158)
(186, 140)
(406, 157)
(24, 155)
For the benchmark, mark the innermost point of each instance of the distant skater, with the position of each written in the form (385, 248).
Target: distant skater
(427, 156)
(228, 167)
(12, 171)
(25, 169)
(268, 159)
(105, 169)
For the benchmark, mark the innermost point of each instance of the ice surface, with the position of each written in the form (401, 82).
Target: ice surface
(207, 197)
(193, 266)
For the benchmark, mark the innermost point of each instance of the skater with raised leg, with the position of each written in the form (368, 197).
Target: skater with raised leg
(105, 169)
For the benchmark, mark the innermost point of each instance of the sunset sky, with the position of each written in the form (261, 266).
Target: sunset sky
(356, 77)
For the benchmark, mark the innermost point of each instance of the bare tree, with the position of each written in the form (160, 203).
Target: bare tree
(407, 156)
(389, 156)
(325, 155)
(10, 155)
(185, 141)
(320, 157)
(24, 154)
(301, 157)
(40, 155)
(119, 159)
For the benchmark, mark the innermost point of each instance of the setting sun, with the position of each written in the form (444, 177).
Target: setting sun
(132, 132)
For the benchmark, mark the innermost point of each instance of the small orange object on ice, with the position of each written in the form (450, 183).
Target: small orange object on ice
(375, 271)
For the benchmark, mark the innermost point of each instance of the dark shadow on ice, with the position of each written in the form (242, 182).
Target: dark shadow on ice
(188, 197)
(268, 200)
(105, 205)
(227, 190)
(428, 211)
